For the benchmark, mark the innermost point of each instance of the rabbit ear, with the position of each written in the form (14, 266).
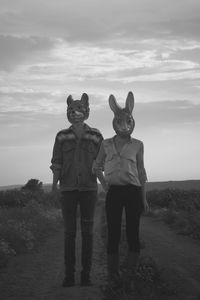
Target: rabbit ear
(114, 105)
(130, 102)
(85, 99)
(69, 100)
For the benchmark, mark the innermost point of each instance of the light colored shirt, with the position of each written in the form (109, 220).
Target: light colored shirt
(126, 167)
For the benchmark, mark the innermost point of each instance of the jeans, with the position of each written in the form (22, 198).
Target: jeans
(69, 203)
(128, 197)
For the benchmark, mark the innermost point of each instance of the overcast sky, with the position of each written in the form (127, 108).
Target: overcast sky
(50, 49)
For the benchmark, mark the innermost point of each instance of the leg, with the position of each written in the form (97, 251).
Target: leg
(114, 208)
(87, 208)
(133, 209)
(69, 209)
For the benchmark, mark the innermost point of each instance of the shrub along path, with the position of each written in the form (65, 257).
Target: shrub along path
(178, 255)
(38, 275)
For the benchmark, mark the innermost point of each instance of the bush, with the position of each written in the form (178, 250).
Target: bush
(175, 199)
(13, 198)
(20, 198)
(5, 252)
(23, 227)
(33, 185)
(178, 208)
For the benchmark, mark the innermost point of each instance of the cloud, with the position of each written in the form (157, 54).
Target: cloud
(23, 123)
(16, 50)
(167, 114)
(140, 63)
(31, 102)
(94, 20)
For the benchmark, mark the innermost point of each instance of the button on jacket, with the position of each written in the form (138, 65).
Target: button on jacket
(126, 167)
(74, 158)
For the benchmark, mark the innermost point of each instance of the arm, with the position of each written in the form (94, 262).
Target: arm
(142, 176)
(56, 177)
(98, 167)
(144, 199)
(56, 164)
(102, 180)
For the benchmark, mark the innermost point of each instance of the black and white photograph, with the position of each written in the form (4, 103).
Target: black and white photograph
(100, 150)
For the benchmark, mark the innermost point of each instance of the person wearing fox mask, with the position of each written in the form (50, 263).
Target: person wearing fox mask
(74, 151)
(124, 176)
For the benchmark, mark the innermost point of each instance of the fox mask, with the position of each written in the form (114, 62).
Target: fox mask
(78, 110)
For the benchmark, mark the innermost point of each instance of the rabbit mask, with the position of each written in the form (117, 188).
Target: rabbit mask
(123, 122)
(78, 110)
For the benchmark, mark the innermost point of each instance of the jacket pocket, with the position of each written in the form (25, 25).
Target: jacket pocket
(67, 148)
(68, 158)
(89, 149)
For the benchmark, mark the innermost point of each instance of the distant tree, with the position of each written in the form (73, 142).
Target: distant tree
(33, 185)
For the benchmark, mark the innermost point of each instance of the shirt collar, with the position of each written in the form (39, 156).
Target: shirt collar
(130, 139)
(86, 128)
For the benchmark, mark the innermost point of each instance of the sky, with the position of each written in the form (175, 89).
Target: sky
(51, 49)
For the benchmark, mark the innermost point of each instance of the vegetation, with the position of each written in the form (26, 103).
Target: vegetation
(149, 282)
(178, 208)
(27, 217)
(33, 185)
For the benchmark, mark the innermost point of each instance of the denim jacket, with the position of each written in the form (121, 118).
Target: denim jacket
(74, 158)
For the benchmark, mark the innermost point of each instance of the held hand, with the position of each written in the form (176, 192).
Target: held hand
(55, 191)
(146, 206)
(105, 187)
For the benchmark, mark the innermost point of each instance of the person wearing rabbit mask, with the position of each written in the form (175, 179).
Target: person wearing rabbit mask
(74, 151)
(120, 169)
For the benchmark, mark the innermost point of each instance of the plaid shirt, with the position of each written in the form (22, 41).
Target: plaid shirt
(74, 158)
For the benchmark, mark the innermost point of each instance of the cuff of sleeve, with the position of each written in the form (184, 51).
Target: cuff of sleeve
(96, 167)
(55, 167)
(143, 177)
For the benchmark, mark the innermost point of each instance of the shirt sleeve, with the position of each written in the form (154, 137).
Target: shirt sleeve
(99, 143)
(98, 164)
(140, 165)
(56, 161)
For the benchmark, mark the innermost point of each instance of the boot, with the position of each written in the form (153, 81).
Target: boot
(85, 279)
(68, 281)
(86, 258)
(132, 265)
(114, 280)
(70, 260)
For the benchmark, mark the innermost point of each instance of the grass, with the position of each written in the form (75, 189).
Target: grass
(25, 221)
(179, 209)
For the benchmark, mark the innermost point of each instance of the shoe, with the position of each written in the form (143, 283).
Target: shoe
(68, 281)
(85, 280)
(115, 281)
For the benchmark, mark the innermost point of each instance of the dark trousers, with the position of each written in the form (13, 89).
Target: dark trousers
(69, 203)
(128, 197)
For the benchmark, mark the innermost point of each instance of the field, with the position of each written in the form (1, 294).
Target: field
(28, 219)
(158, 185)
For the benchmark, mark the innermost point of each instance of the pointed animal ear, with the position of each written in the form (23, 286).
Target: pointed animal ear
(85, 99)
(69, 100)
(114, 105)
(130, 102)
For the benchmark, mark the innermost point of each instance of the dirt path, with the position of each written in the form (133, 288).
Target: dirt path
(178, 255)
(39, 275)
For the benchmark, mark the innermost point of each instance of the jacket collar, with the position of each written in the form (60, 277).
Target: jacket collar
(86, 127)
